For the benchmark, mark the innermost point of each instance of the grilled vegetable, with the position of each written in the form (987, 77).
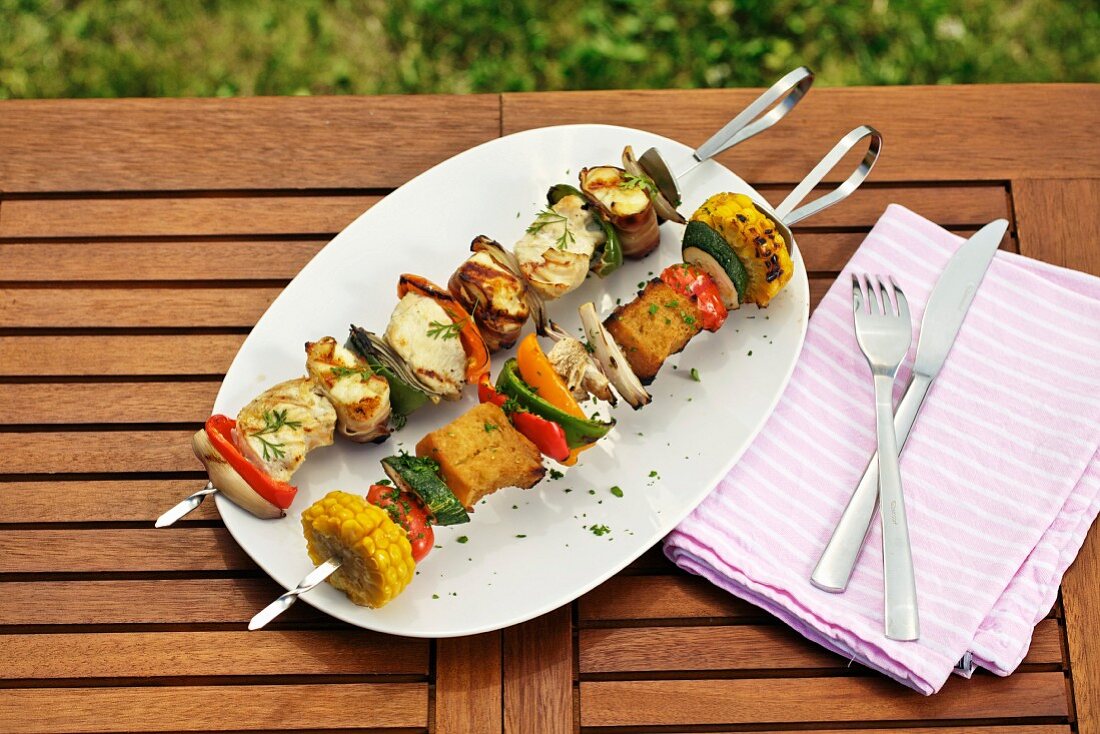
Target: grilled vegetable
(754, 239)
(694, 283)
(361, 397)
(623, 201)
(548, 436)
(407, 511)
(611, 357)
(234, 476)
(407, 393)
(375, 555)
(665, 209)
(421, 478)
(489, 286)
(477, 353)
(556, 252)
(607, 257)
(709, 250)
(579, 429)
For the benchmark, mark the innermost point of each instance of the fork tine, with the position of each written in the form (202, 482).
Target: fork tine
(903, 303)
(871, 285)
(884, 293)
(857, 294)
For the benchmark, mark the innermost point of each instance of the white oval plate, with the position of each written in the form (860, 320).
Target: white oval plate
(665, 458)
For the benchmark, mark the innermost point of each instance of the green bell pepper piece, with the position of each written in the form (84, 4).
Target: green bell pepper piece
(578, 431)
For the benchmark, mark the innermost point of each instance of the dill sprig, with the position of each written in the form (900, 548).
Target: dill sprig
(439, 330)
(274, 421)
(630, 181)
(548, 216)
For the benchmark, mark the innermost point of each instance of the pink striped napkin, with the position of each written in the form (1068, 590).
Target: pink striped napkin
(1001, 473)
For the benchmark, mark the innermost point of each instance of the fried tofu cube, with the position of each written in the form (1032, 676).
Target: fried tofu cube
(658, 323)
(480, 452)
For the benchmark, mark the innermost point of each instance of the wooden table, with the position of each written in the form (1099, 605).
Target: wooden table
(140, 240)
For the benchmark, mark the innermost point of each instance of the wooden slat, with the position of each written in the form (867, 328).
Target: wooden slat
(244, 143)
(660, 597)
(744, 647)
(972, 142)
(688, 702)
(213, 708)
(538, 675)
(179, 654)
(98, 452)
(468, 684)
(107, 402)
(115, 500)
(94, 356)
(133, 307)
(156, 260)
(172, 601)
(1058, 222)
(181, 216)
(89, 551)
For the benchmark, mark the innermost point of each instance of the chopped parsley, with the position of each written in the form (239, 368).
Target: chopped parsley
(630, 181)
(652, 309)
(652, 473)
(617, 491)
(521, 535)
(462, 539)
(490, 427)
(274, 421)
(695, 375)
(599, 530)
(555, 474)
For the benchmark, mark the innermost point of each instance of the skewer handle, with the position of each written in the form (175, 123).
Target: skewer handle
(284, 602)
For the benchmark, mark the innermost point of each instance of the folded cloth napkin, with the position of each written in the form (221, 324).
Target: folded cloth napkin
(1001, 473)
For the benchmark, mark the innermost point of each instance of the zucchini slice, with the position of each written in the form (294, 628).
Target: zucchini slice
(418, 475)
(708, 250)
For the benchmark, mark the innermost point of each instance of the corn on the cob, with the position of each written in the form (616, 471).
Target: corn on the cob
(756, 241)
(376, 558)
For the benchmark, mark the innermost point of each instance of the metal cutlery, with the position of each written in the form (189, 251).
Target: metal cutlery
(312, 579)
(186, 506)
(943, 317)
(884, 331)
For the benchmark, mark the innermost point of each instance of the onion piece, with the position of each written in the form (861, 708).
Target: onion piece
(228, 481)
(611, 357)
(367, 342)
(664, 208)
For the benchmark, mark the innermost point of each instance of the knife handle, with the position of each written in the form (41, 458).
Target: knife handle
(834, 568)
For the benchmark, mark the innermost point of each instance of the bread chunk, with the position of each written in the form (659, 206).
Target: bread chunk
(480, 452)
(658, 323)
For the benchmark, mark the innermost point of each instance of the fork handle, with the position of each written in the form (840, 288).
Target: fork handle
(838, 560)
(902, 622)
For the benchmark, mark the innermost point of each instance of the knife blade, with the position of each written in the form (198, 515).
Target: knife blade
(943, 317)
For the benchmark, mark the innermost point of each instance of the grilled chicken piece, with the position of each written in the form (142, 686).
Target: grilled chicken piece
(571, 361)
(555, 254)
(281, 425)
(361, 398)
(423, 335)
(493, 294)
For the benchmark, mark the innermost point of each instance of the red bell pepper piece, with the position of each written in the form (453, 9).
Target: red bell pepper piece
(690, 281)
(547, 435)
(477, 353)
(219, 429)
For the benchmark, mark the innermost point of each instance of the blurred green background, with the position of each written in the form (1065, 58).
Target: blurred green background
(105, 48)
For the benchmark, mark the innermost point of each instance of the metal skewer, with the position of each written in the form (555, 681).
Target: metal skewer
(186, 506)
(286, 601)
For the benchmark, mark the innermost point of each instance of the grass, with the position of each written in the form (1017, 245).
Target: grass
(135, 48)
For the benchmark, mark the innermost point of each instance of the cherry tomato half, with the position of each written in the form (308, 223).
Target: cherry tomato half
(409, 512)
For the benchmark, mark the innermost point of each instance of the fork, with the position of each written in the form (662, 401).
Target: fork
(884, 332)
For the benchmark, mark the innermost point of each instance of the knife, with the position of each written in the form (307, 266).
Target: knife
(947, 307)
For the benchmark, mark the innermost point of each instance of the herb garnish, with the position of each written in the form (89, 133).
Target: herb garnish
(630, 181)
(364, 372)
(548, 216)
(437, 330)
(555, 474)
(462, 539)
(617, 491)
(599, 529)
(273, 422)
(490, 427)
(695, 375)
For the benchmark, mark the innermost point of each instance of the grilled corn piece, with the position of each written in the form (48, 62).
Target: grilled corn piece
(376, 561)
(754, 239)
